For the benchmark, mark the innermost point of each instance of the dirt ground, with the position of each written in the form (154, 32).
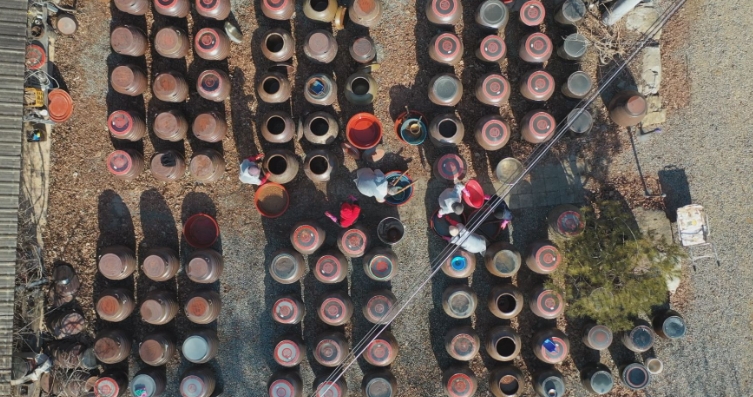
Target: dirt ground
(89, 209)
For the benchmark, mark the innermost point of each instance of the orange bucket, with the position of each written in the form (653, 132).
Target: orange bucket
(271, 200)
(59, 105)
(364, 131)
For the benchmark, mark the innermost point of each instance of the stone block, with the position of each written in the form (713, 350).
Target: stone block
(655, 118)
(651, 71)
(640, 20)
(654, 103)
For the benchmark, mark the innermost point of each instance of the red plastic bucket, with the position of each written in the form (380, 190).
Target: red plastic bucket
(476, 197)
(364, 131)
(271, 200)
(59, 105)
(201, 231)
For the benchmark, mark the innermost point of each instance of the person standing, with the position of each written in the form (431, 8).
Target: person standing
(466, 240)
(251, 172)
(349, 212)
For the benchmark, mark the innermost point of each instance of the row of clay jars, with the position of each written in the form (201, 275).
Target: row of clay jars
(504, 381)
(212, 84)
(207, 165)
(490, 14)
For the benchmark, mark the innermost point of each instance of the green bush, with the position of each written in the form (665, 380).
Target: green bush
(613, 273)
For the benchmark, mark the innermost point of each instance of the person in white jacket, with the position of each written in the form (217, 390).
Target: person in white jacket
(372, 183)
(468, 241)
(451, 200)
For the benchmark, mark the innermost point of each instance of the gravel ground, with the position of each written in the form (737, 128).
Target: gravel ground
(709, 141)
(90, 210)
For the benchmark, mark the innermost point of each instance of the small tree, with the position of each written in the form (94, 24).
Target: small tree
(612, 272)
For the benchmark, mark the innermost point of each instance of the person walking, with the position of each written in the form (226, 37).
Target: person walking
(349, 213)
(251, 172)
(373, 183)
(451, 200)
(466, 240)
(501, 212)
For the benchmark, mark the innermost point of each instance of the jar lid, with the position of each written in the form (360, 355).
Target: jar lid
(379, 387)
(451, 167)
(541, 84)
(106, 387)
(120, 123)
(495, 132)
(195, 348)
(532, 13)
(379, 352)
(460, 385)
(493, 48)
(119, 162)
(207, 39)
(464, 346)
(285, 311)
(192, 386)
(328, 268)
(381, 268)
(329, 389)
(284, 266)
(306, 238)
(461, 304)
(353, 242)
(600, 337)
(378, 307)
(333, 310)
(143, 385)
(287, 353)
(111, 265)
(496, 87)
(674, 327)
(328, 352)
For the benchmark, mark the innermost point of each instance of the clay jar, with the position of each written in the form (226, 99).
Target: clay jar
(274, 88)
(214, 9)
(492, 89)
(320, 46)
(280, 10)
(172, 8)
(170, 126)
(366, 13)
(286, 267)
(133, 7)
(167, 166)
(446, 130)
(462, 343)
(211, 44)
(360, 88)
(282, 165)
(214, 85)
(320, 128)
(507, 381)
(171, 42)
(502, 343)
(278, 45)
(535, 48)
(492, 14)
(444, 12)
(363, 49)
(537, 85)
(446, 48)
(209, 127)
(537, 126)
(502, 260)
(278, 127)
(286, 383)
(307, 237)
(207, 166)
(491, 49)
(126, 125)
(379, 384)
(628, 108)
(505, 301)
(318, 165)
(170, 87)
(492, 132)
(320, 89)
(459, 382)
(320, 10)
(561, 346)
(445, 89)
(128, 80)
(128, 40)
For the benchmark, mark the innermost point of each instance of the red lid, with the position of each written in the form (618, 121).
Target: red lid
(207, 40)
(451, 167)
(287, 353)
(493, 48)
(281, 388)
(119, 162)
(364, 6)
(548, 257)
(364, 131)
(59, 105)
(600, 337)
(332, 310)
(120, 123)
(271, 200)
(197, 307)
(328, 268)
(381, 267)
(354, 242)
(106, 387)
(379, 352)
(285, 311)
(550, 303)
(541, 84)
(538, 45)
(35, 57)
(167, 4)
(496, 87)
(532, 13)
(636, 105)
(276, 4)
(495, 132)
(460, 385)
(448, 45)
(328, 351)
(445, 7)
(542, 124)
(306, 238)
(108, 305)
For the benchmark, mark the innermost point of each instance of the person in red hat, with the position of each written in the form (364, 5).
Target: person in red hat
(349, 213)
